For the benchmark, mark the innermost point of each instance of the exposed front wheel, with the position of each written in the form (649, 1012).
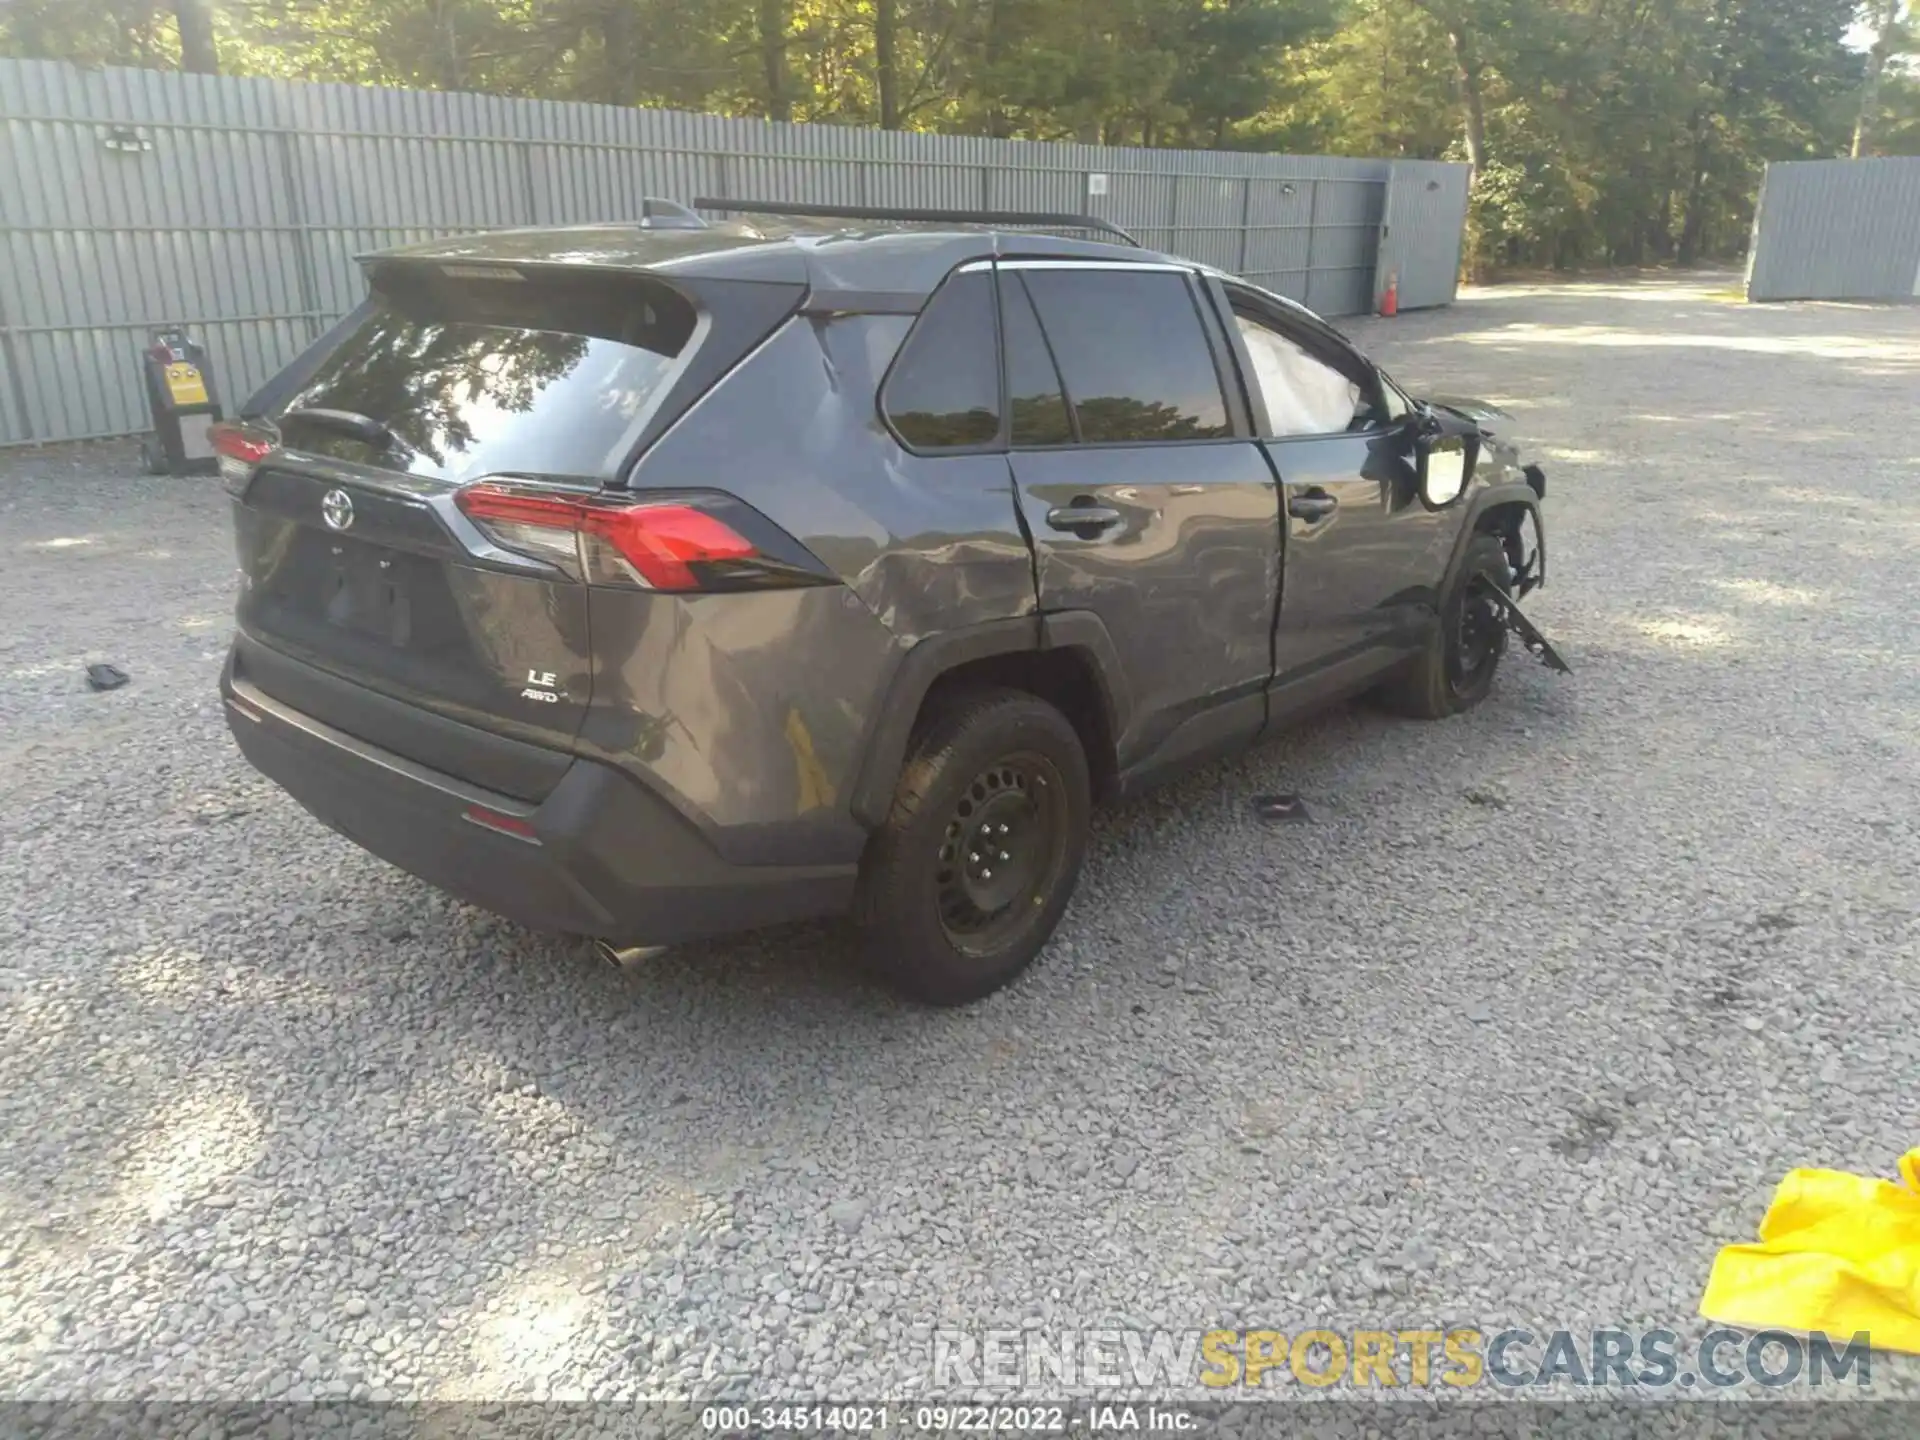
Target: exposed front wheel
(1455, 671)
(974, 865)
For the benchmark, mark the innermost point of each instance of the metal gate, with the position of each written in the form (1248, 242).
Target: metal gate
(1421, 221)
(1837, 230)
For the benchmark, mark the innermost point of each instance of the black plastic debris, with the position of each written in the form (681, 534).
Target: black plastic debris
(1281, 809)
(1537, 644)
(105, 677)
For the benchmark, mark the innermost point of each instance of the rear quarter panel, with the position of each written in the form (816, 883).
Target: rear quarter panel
(745, 710)
(928, 543)
(752, 711)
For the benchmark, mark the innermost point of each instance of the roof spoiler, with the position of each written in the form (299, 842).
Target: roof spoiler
(1041, 219)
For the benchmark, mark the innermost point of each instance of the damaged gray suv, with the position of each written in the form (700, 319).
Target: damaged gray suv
(654, 581)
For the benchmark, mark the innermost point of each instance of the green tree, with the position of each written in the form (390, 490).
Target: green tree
(1600, 131)
(1882, 19)
(103, 32)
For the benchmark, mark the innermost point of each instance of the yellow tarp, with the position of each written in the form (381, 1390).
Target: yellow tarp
(1837, 1254)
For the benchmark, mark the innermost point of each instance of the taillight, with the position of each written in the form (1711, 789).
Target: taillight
(240, 448)
(687, 542)
(668, 547)
(517, 826)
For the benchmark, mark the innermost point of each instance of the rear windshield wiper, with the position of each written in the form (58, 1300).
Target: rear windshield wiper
(347, 422)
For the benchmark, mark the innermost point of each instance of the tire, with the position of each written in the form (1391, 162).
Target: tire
(1449, 677)
(936, 923)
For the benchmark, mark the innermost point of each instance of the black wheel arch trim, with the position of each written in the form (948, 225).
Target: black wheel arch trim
(939, 655)
(1492, 497)
(1084, 630)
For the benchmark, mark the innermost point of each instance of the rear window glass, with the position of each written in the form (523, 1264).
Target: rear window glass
(944, 392)
(486, 374)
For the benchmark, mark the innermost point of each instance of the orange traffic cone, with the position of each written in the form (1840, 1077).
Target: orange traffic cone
(1390, 300)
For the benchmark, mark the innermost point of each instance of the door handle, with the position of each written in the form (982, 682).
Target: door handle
(1312, 506)
(1084, 520)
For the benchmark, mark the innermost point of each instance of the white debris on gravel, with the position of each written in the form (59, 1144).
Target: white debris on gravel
(277, 1121)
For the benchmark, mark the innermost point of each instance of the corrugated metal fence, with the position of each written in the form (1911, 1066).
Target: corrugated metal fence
(1420, 231)
(1837, 230)
(130, 199)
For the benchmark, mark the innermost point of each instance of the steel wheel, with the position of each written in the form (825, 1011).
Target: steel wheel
(935, 922)
(1479, 637)
(1004, 843)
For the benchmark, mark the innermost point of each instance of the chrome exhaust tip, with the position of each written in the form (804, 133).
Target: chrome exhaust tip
(625, 957)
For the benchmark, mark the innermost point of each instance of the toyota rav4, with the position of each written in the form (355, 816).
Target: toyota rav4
(653, 581)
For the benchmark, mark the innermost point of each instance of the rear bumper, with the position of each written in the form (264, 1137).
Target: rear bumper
(606, 857)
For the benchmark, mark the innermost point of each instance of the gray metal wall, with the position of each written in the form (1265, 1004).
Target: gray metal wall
(1421, 226)
(240, 204)
(1837, 230)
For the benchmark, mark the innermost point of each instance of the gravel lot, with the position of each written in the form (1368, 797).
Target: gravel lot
(1526, 1024)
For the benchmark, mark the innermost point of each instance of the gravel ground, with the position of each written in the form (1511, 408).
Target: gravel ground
(1525, 1025)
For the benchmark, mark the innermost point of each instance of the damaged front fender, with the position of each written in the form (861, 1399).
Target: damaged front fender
(1510, 508)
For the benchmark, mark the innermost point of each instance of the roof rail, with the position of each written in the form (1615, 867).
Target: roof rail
(658, 214)
(1044, 219)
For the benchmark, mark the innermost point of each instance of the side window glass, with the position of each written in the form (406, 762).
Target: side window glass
(1303, 395)
(1034, 394)
(943, 392)
(1132, 354)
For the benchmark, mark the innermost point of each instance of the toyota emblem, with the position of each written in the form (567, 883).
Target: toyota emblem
(337, 509)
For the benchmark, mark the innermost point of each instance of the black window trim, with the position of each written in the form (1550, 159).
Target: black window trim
(1225, 359)
(1071, 262)
(1250, 395)
(995, 446)
(1321, 342)
(1053, 361)
(1239, 427)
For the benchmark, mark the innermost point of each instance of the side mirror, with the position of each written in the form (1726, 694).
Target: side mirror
(1443, 458)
